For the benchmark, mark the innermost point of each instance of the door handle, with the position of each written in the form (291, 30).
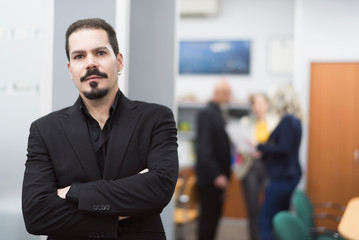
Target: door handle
(356, 156)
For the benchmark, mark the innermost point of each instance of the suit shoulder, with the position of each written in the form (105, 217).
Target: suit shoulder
(142, 105)
(50, 117)
(153, 113)
(290, 118)
(152, 107)
(292, 121)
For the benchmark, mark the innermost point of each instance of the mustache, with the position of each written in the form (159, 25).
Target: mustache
(94, 71)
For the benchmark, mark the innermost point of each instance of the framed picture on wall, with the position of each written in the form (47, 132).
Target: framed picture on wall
(280, 55)
(214, 57)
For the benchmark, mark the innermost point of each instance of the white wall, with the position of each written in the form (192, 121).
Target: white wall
(325, 30)
(24, 63)
(255, 20)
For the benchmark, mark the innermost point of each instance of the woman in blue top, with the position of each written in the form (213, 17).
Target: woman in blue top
(281, 156)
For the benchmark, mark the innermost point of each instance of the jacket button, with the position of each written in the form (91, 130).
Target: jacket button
(108, 207)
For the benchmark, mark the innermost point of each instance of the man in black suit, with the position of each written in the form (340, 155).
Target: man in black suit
(213, 159)
(106, 166)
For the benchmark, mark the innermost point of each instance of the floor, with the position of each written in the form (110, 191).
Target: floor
(228, 229)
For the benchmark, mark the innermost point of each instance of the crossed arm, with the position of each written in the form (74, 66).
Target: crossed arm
(61, 192)
(45, 210)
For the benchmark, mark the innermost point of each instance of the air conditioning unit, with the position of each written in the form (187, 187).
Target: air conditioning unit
(201, 8)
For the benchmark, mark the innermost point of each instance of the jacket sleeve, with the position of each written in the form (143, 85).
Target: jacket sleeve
(139, 195)
(47, 214)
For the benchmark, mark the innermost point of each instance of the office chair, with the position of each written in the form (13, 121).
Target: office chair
(304, 209)
(287, 226)
(186, 204)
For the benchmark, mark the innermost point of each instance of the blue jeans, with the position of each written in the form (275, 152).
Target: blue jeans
(277, 198)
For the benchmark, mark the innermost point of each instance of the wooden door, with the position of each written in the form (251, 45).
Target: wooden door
(355, 187)
(333, 132)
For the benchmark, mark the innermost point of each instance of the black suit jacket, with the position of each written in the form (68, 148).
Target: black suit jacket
(60, 154)
(213, 145)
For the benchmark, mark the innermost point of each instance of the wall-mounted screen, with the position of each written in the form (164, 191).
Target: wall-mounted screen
(214, 57)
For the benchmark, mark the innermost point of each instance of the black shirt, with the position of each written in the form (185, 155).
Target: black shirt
(99, 138)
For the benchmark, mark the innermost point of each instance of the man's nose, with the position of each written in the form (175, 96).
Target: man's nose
(91, 63)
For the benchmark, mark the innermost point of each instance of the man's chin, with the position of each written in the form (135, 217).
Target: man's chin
(96, 93)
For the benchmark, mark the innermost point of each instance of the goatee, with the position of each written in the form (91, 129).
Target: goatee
(95, 93)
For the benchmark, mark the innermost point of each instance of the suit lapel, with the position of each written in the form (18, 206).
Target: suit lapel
(125, 120)
(75, 127)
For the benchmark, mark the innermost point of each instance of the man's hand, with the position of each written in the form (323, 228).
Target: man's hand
(61, 192)
(144, 171)
(256, 155)
(221, 182)
(122, 218)
(253, 143)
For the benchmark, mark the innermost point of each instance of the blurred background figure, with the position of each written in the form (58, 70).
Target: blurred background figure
(250, 171)
(281, 157)
(213, 159)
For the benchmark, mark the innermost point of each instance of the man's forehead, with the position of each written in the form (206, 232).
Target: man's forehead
(88, 38)
(84, 32)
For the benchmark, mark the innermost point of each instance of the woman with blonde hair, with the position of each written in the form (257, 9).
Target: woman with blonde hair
(251, 172)
(281, 156)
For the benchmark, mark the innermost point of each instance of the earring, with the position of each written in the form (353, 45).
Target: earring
(119, 73)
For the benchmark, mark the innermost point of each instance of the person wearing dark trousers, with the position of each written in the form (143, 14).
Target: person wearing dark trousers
(213, 160)
(281, 156)
(260, 123)
(253, 185)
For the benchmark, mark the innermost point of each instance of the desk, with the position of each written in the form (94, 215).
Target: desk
(349, 224)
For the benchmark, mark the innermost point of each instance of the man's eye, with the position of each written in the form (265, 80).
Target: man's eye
(78, 57)
(101, 53)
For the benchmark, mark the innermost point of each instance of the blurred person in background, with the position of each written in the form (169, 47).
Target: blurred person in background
(257, 127)
(281, 156)
(213, 159)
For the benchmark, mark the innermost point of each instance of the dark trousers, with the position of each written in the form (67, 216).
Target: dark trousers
(211, 201)
(252, 185)
(277, 198)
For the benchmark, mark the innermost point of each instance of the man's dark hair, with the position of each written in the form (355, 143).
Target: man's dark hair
(92, 23)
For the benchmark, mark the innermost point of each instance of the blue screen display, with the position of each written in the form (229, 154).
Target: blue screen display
(214, 57)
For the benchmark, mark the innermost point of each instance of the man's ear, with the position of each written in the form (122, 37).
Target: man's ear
(119, 62)
(68, 67)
